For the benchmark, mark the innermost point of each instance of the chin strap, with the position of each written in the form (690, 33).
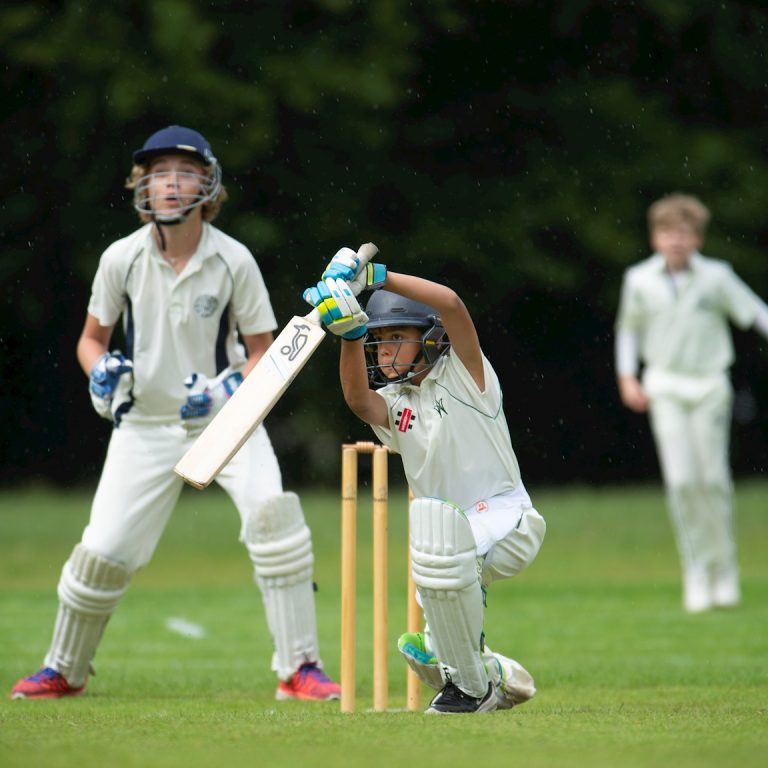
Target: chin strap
(169, 223)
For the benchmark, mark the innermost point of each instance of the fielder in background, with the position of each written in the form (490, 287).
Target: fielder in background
(673, 316)
(197, 317)
(412, 367)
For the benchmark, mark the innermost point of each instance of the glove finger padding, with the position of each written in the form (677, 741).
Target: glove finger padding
(339, 310)
(110, 383)
(344, 265)
(370, 278)
(207, 396)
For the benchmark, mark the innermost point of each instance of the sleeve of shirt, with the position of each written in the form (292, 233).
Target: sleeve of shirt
(385, 434)
(108, 297)
(740, 302)
(626, 353)
(250, 299)
(630, 314)
(459, 379)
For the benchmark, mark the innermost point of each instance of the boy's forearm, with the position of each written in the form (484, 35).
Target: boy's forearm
(441, 297)
(353, 374)
(361, 399)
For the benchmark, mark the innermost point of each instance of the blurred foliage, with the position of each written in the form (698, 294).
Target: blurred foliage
(510, 148)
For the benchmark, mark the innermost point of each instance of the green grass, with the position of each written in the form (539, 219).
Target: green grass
(625, 678)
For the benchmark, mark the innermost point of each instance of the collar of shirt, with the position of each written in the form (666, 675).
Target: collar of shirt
(694, 262)
(205, 248)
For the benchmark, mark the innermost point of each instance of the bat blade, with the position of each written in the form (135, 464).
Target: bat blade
(251, 401)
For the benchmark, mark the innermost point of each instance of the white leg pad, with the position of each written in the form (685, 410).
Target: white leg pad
(447, 576)
(89, 590)
(512, 682)
(280, 547)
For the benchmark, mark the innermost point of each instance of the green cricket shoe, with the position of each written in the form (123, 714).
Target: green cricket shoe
(413, 647)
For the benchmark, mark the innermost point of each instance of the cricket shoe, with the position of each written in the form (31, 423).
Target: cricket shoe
(453, 701)
(413, 647)
(726, 592)
(309, 683)
(45, 684)
(696, 591)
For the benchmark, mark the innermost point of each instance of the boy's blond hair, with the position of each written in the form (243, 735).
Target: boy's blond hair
(210, 209)
(673, 210)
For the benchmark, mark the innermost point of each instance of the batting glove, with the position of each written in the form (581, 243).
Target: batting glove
(207, 396)
(343, 266)
(370, 278)
(339, 310)
(110, 383)
(356, 270)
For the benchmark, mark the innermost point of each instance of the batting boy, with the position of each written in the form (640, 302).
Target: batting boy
(673, 316)
(412, 368)
(197, 317)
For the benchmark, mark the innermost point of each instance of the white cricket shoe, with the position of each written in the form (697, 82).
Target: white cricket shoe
(726, 592)
(696, 593)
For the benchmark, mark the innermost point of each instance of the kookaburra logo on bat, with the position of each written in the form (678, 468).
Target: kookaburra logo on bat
(297, 342)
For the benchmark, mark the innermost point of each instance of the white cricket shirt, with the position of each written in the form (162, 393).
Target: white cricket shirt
(453, 439)
(681, 321)
(177, 324)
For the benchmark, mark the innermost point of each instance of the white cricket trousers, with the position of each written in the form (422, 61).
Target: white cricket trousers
(138, 489)
(692, 439)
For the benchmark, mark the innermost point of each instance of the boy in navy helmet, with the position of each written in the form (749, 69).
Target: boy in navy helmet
(412, 367)
(196, 318)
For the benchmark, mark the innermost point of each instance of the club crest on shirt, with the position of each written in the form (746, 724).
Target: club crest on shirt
(205, 305)
(405, 420)
(440, 408)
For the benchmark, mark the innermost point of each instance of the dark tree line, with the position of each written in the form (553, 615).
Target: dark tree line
(511, 148)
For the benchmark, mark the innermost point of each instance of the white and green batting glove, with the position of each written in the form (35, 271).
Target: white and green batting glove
(356, 271)
(343, 266)
(370, 278)
(339, 310)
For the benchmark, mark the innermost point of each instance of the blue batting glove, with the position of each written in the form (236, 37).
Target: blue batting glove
(110, 384)
(106, 372)
(207, 396)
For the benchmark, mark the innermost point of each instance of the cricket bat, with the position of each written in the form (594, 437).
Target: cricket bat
(255, 397)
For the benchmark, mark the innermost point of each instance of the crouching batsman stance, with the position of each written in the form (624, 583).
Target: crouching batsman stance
(196, 318)
(412, 367)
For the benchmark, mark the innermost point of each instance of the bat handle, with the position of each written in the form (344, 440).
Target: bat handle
(314, 317)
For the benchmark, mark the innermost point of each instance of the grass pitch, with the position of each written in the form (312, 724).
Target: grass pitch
(625, 678)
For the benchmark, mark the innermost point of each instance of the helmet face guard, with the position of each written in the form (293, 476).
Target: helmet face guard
(176, 140)
(389, 310)
(147, 202)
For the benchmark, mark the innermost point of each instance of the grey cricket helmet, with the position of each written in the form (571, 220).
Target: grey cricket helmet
(390, 310)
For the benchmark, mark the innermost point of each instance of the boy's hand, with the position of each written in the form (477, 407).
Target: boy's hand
(343, 266)
(355, 269)
(370, 278)
(632, 394)
(207, 396)
(110, 383)
(339, 310)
